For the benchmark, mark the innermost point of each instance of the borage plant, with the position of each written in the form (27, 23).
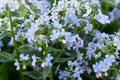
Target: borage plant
(59, 39)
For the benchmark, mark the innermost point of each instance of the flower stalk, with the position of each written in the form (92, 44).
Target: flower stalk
(14, 41)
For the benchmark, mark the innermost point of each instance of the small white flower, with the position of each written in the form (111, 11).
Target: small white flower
(106, 74)
(17, 64)
(34, 58)
(23, 57)
(43, 65)
(24, 66)
(64, 41)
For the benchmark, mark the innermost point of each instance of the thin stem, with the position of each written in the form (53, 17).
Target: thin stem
(51, 75)
(115, 73)
(21, 75)
(13, 33)
(14, 41)
(59, 55)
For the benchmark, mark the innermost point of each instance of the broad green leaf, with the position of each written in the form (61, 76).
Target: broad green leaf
(109, 1)
(8, 71)
(3, 71)
(64, 59)
(46, 72)
(5, 57)
(33, 74)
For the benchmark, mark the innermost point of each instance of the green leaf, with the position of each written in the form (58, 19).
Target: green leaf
(4, 34)
(111, 2)
(53, 50)
(46, 72)
(52, 1)
(29, 50)
(109, 50)
(64, 59)
(33, 74)
(5, 57)
(3, 71)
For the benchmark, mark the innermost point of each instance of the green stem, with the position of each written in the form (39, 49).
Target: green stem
(115, 73)
(13, 33)
(51, 75)
(59, 55)
(21, 75)
(14, 41)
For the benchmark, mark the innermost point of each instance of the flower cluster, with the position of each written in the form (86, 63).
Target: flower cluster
(24, 58)
(61, 39)
(12, 4)
(104, 65)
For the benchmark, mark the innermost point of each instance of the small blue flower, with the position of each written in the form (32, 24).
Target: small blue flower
(78, 70)
(34, 58)
(63, 75)
(17, 64)
(57, 25)
(24, 57)
(88, 28)
(102, 18)
(55, 35)
(48, 60)
(1, 44)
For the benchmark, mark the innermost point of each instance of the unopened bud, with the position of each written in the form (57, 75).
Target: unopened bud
(64, 41)
(39, 49)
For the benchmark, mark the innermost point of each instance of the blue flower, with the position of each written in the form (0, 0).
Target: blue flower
(78, 70)
(17, 64)
(1, 44)
(55, 35)
(24, 57)
(63, 75)
(103, 66)
(117, 42)
(34, 58)
(57, 24)
(48, 60)
(102, 18)
(88, 28)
